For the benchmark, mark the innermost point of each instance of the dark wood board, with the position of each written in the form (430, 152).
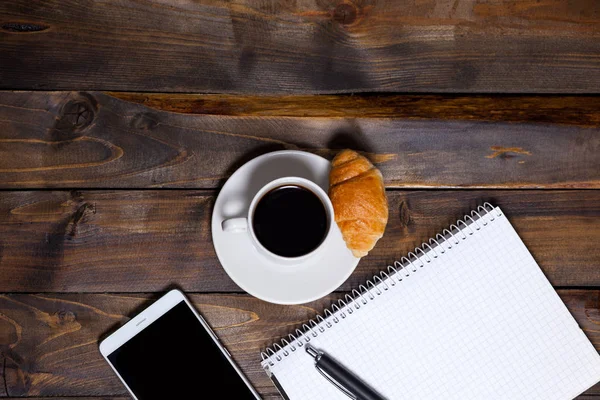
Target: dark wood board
(530, 109)
(303, 46)
(3, 386)
(52, 339)
(94, 140)
(79, 398)
(136, 241)
(265, 397)
(124, 397)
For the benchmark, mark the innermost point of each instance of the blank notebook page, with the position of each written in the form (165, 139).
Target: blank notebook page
(479, 321)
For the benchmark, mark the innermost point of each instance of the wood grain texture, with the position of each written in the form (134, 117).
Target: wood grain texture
(265, 397)
(3, 385)
(546, 109)
(53, 339)
(93, 140)
(53, 346)
(136, 241)
(304, 46)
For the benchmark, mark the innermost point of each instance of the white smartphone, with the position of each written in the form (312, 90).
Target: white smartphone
(169, 351)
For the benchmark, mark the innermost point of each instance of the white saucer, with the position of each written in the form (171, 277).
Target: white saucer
(254, 273)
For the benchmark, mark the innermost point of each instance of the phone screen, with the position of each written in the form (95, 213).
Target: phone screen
(175, 357)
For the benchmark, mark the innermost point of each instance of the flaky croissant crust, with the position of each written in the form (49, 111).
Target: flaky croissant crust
(357, 193)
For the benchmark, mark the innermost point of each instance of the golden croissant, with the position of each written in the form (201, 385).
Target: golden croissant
(357, 193)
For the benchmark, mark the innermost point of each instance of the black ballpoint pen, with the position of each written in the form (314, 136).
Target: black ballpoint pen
(341, 377)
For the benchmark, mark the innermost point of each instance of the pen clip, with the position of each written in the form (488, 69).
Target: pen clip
(334, 383)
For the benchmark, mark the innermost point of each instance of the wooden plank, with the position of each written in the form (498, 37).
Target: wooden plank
(136, 241)
(55, 352)
(302, 47)
(548, 109)
(3, 385)
(264, 397)
(94, 140)
(267, 397)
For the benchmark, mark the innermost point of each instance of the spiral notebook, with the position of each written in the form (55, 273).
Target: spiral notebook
(468, 315)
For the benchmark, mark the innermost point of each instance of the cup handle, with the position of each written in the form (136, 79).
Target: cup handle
(235, 225)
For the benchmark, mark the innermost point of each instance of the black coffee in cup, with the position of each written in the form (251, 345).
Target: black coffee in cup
(290, 221)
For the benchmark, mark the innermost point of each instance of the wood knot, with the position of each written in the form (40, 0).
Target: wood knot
(506, 153)
(23, 27)
(405, 218)
(144, 121)
(345, 13)
(80, 216)
(77, 114)
(64, 317)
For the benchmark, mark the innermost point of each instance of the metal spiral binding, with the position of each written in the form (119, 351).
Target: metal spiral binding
(384, 281)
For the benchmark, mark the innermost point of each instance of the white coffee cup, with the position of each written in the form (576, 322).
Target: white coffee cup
(243, 225)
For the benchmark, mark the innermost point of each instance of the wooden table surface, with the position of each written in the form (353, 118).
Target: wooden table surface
(120, 120)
